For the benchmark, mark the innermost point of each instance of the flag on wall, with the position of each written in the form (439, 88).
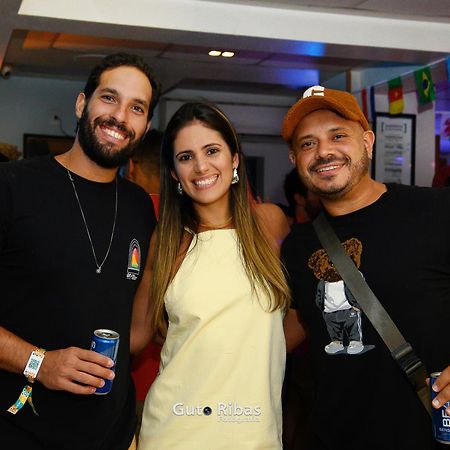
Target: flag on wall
(396, 102)
(368, 103)
(445, 126)
(365, 107)
(425, 88)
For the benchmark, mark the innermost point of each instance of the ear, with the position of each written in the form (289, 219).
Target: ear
(292, 157)
(369, 140)
(174, 175)
(80, 104)
(131, 170)
(235, 160)
(147, 128)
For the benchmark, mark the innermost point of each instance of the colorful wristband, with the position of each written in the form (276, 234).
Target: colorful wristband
(31, 371)
(34, 364)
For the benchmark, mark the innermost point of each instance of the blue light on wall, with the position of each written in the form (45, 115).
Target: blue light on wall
(310, 48)
(296, 78)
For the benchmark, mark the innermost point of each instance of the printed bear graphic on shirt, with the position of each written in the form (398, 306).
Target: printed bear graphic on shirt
(339, 307)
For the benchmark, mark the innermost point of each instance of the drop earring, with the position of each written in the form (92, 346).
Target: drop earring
(235, 178)
(179, 189)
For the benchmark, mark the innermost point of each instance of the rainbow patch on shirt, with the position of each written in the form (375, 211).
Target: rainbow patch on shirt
(134, 260)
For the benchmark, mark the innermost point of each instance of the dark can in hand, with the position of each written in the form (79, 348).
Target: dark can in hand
(441, 420)
(106, 342)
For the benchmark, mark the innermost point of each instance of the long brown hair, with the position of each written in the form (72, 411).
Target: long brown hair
(176, 212)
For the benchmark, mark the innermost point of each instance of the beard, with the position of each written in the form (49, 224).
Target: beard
(104, 154)
(333, 190)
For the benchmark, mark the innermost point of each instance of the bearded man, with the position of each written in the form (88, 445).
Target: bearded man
(397, 237)
(73, 244)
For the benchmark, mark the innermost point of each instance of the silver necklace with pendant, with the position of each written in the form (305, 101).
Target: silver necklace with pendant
(99, 266)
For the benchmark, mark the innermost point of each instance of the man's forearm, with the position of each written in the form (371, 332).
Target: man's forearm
(14, 351)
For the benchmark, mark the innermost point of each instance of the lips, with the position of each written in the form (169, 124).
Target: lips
(114, 129)
(327, 166)
(205, 183)
(327, 169)
(114, 134)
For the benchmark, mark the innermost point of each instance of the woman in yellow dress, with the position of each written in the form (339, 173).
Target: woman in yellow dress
(219, 291)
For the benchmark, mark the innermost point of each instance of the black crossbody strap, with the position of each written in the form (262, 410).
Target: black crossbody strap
(400, 350)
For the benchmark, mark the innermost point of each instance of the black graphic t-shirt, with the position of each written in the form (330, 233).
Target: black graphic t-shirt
(401, 246)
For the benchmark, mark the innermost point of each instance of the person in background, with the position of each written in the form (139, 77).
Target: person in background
(442, 177)
(73, 244)
(143, 169)
(397, 237)
(304, 204)
(9, 151)
(143, 166)
(219, 289)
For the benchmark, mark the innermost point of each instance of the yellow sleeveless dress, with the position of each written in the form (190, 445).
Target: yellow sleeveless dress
(222, 365)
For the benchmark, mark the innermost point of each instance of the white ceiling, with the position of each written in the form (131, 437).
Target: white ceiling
(403, 8)
(281, 46)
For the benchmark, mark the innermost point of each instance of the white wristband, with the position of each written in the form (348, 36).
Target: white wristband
(34, 364)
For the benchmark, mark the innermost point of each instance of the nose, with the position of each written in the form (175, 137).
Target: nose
(201, 164)
(323, 149)
(120, 113)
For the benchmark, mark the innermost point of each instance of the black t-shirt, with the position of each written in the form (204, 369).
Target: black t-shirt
(401, 245)
(52, 296)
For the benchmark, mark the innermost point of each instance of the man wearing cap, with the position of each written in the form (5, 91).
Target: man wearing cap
(398, 238)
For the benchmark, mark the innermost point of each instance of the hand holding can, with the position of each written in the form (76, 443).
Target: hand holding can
(441, 420)
(106, 342)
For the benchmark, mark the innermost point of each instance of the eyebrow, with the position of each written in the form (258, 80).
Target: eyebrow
(116, 92)
(337, 129)
(212, 143)
(182, 151)
(204, 147)
(331, 130)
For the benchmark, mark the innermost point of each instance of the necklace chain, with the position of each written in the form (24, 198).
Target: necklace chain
(99, 266)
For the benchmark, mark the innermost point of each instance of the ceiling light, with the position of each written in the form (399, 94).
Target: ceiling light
(227, 54)
(215, 53)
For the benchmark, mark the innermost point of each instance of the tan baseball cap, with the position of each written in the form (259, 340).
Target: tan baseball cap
(318, 97)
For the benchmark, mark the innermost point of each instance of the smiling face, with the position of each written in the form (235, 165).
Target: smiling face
(114, 119)
(332, 154)
(203, 164)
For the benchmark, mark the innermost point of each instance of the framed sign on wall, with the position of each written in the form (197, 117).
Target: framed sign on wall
(41, 144)
(394, 154)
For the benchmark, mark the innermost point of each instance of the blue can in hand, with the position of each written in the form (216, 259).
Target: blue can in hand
(441, 421)
(106, 342)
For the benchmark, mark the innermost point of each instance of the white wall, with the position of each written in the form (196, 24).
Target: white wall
(276, 166)
(27, 105)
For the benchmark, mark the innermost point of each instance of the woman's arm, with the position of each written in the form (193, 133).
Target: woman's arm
(141, 330)
(294, 332)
